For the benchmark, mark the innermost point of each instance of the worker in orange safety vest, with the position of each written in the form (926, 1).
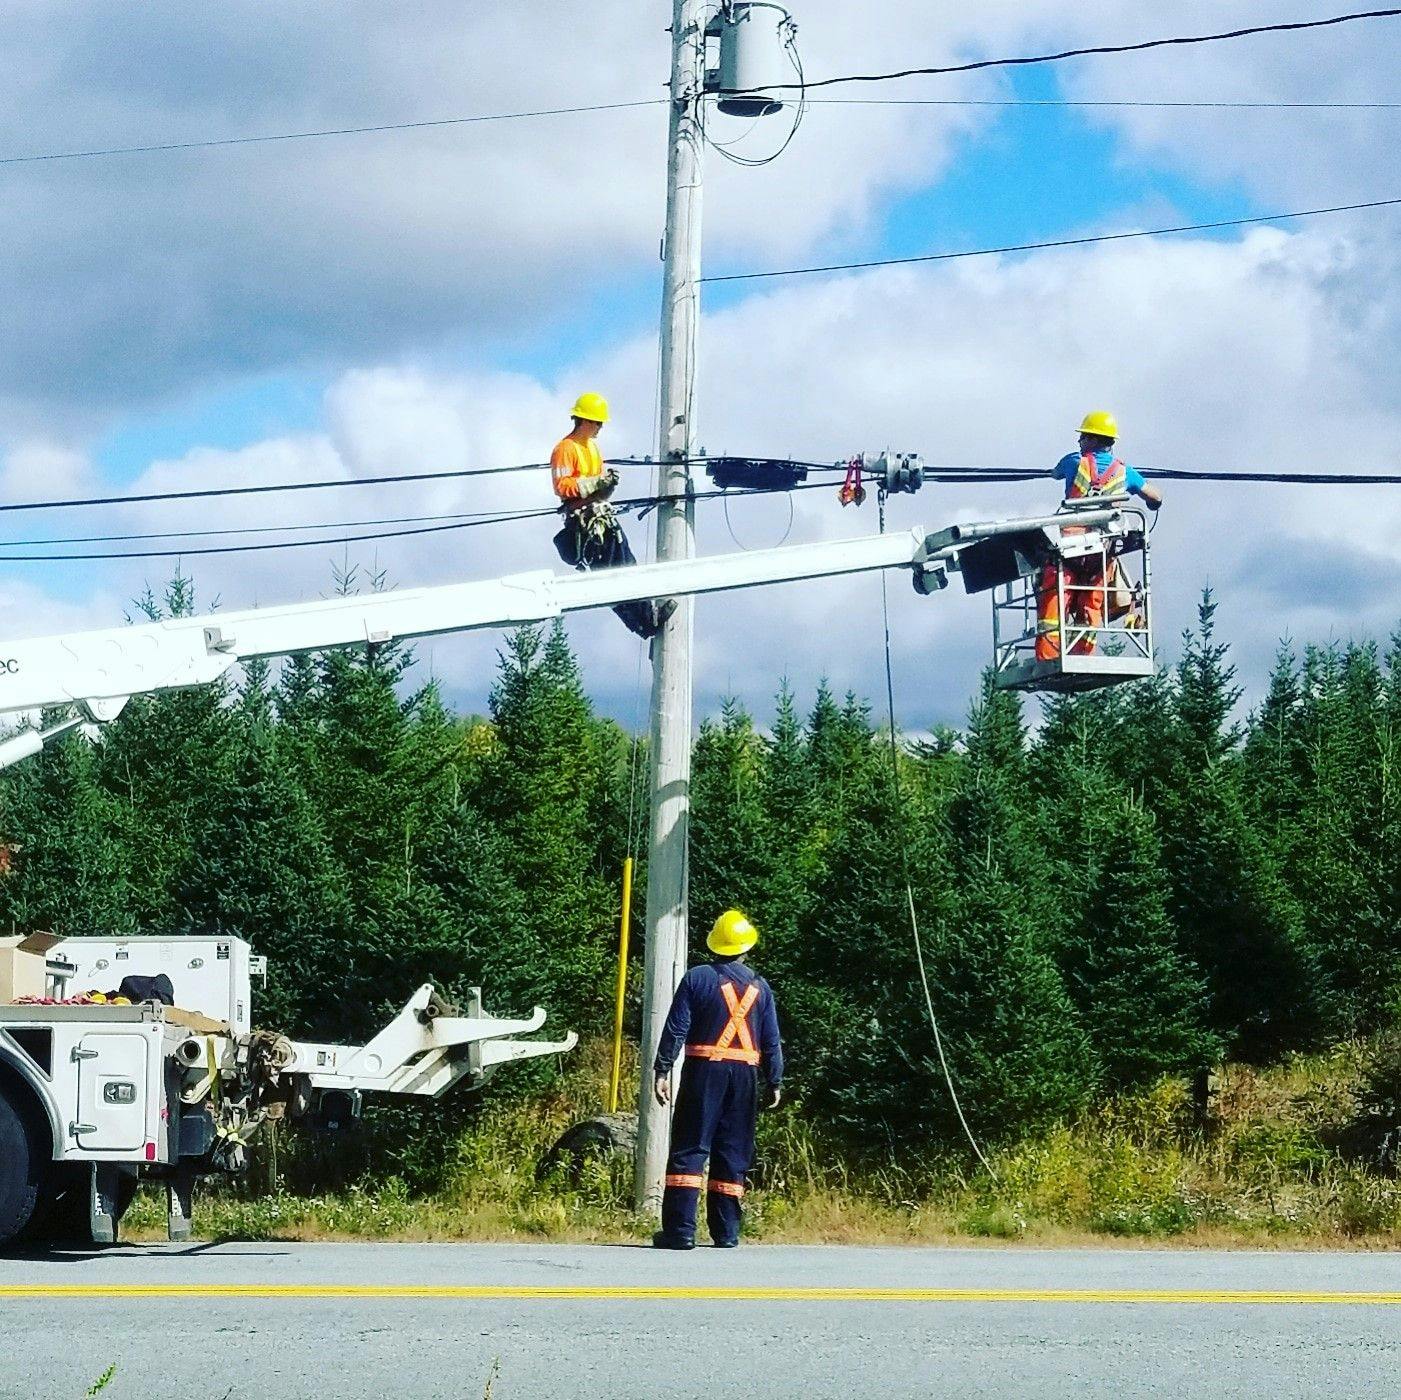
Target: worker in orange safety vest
(724, 1020)
(1092, 471)
(592, 538)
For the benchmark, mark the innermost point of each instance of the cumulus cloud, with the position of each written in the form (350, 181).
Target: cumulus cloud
(1226, 354)
(141, 276)
(389, 263)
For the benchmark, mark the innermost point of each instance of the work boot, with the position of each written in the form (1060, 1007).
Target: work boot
(661, 615)
(727, 1244)
(661, 1240)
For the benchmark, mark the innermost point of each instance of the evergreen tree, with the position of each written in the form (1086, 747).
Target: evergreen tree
(731, 852)
(68, 872)
(540, 787)
(1139, 999)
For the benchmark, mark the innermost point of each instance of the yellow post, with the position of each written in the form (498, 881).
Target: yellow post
(622, 987)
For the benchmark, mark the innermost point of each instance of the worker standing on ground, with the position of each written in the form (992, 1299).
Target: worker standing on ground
(1092, 471)
(591, 537)
(724, 1016)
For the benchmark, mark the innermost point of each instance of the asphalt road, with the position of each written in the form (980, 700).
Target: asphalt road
(278, 1321)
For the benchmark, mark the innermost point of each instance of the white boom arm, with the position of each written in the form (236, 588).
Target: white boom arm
(420, 1052)
(101, 670)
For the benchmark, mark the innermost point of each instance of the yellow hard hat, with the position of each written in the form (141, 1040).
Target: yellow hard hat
(1100, 424)
(593, 408)
(732, 935)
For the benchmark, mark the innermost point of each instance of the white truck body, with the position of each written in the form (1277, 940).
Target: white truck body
(105, 1094)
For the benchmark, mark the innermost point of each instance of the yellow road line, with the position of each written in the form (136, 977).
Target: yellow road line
(535, 1293)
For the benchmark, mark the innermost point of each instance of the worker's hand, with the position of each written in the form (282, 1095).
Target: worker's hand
(775, 1096)
(607, 484)
(1154, 503)
(662, 1089)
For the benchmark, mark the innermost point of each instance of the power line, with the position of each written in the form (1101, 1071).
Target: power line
(257, 548)
(1098, 49)
(643, 503)
(269, 138)
(948, 475)
(1100, 102)
(205, 493)
(322, 133)
(205, 145)
(1052, 243)
(250, 530)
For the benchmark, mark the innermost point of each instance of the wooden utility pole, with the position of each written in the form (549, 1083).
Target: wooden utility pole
(667, 911)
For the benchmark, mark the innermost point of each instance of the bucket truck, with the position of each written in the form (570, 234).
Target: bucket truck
(94, 1097)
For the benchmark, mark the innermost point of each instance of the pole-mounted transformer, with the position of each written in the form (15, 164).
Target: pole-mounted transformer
(756, 58)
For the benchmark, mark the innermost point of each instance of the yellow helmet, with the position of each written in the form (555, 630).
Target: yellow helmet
(593, 408)
(1100, 424)
(732, 935)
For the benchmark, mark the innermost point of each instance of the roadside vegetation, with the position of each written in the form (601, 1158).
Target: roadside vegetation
(1300, 1155)
(1121, 895)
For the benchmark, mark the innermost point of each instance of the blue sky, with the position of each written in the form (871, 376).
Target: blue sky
(426, 300)
(1033, 173)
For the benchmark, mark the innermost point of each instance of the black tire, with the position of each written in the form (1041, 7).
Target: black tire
(611, 1135)
(24, 1164)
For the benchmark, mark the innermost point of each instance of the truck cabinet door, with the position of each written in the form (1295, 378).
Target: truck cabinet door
(112, 1070)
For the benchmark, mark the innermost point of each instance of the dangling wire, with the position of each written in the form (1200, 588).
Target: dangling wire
(739, 544)
(905, 868)
(790, 43)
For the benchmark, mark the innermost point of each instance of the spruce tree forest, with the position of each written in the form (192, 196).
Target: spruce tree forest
(1147, 880)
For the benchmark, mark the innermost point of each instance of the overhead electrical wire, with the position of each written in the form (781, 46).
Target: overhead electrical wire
(1179, 41)
(643, 503)
(1102, 102)
(208, 492)
(947, 475)
(803, 85)
(279, 136)
(194, 534)
(1049, 243)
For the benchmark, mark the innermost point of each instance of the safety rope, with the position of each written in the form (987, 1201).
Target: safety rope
(898, 797)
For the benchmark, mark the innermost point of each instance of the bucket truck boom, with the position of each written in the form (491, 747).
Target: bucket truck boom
(99, 671)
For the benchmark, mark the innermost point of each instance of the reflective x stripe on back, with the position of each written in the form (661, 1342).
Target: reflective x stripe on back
(737, 1027)
(738, 1024)
(1089, 481)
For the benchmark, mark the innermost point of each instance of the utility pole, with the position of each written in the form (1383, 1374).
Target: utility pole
(667, 912)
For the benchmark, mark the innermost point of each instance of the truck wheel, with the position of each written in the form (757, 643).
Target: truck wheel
(24, 1164)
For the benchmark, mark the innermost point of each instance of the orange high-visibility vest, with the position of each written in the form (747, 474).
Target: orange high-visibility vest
(1090, 481)
(736, 1028)
(571, 462)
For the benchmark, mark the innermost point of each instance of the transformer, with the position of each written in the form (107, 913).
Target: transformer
(755, 58)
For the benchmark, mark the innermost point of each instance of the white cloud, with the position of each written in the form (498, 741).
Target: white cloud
(1233, 355)
(141, 276)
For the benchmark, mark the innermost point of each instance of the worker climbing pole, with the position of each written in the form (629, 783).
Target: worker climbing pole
(591, 537)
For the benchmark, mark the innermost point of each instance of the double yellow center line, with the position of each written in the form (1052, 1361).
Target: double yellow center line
(544, 1293)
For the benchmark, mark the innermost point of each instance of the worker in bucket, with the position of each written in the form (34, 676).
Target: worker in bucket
(591, 537)
(724, 1019)
(1092, 471)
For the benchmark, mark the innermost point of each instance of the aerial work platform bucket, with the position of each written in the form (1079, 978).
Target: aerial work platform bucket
(1077, 615)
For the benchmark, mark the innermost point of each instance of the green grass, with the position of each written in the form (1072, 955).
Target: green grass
(1267, 1170)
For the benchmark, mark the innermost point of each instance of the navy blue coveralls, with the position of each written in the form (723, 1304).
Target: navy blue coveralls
(724, 1017)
